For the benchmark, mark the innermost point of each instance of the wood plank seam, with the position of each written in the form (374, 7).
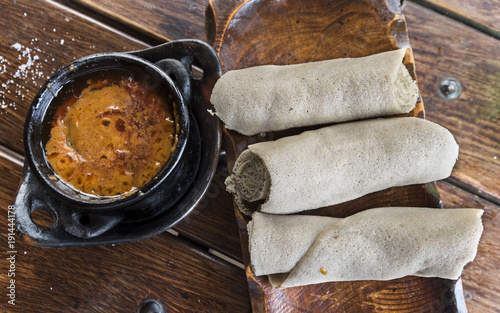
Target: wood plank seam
(202, 247)
(473, 191)
(97, 22)
(11, 156)
(472, 195)
(465, 21)
(226, 258)
(459, 17)
(219, 255)
(104, 17)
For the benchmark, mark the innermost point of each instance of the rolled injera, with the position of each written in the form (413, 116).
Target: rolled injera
(376, 244)
(276, 97)
(339, 163)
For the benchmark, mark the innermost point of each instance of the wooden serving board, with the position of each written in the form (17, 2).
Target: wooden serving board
(248, 33)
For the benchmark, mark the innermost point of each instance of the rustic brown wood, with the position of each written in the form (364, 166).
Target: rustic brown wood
(160, 20)
(408, 294)
(305, 31)
(211, 224)
(117, 278)
(433, 35)
(481, 14)
(36, 39)
(472, 55)
(482, 276)
(296, 32)
(445, 48)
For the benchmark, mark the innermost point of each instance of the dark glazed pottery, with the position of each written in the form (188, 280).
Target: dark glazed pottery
(83, 219)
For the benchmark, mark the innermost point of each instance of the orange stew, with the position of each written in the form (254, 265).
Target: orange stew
(112, 137)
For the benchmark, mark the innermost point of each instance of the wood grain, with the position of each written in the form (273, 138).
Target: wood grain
(438, 43)
(407, 294)
(481, 14)
(445, 48)
(436, 36)
(305, 32)
(364, 30)
(36, 39)
(211, 224)
(184, 277)
(160, 20)
(481, 278)
(311, 31)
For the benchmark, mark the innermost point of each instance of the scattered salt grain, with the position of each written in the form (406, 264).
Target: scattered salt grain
(28, 70)
(3, 66)
(62, 41)
(17, 46)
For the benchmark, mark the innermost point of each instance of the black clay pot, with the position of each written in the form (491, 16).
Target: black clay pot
(83, 219)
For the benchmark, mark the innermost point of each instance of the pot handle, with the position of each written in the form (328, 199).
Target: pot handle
(177, 72)
(198, 57)
(85, 224)
(32, 196)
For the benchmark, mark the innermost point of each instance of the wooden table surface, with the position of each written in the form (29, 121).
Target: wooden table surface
(197, 266)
